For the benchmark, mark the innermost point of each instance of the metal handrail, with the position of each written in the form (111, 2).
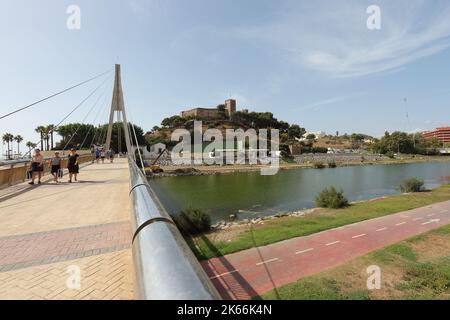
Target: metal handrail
(166, 268)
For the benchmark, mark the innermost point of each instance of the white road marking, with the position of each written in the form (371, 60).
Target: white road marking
(444, 211)
(381, 229)
(304, 251)
(431, 215)
(223, 274)
(400, 224)
(431, 221)
(359, 236)
(417, 219)
(267, 261)
(332, 243)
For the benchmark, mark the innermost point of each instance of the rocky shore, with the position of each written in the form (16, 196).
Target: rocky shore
(226, 225)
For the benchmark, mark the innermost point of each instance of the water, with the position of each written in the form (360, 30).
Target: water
(251, 195)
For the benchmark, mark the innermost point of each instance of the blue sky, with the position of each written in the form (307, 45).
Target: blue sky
(309, 62)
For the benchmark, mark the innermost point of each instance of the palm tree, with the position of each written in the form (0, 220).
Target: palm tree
(40, 130)
(30, 146)
(51, 128)
(8, 137)
(18, 139)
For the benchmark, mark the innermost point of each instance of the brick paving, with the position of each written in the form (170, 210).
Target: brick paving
(47, 230)
(21, 251)
(102, 277)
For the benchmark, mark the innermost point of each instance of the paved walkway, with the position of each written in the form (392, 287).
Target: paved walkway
(252, 272)
(48, 231)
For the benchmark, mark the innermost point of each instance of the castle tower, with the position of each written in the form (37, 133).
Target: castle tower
(230, 107)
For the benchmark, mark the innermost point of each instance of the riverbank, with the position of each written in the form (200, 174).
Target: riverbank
(170, 170)
(417, 268)
(269, 230)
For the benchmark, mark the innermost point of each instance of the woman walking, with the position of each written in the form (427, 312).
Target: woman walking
(36, 166)
(102, 155)
(55, 165)
(72, 165)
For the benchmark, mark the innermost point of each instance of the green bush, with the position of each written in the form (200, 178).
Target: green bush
(319, 165)
(331, 198)
(332, 164)
(412, 185)
(193, 221)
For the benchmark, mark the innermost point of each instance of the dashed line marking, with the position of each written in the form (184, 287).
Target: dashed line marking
(381, 229)
(304, 251)
(332, 243)
(417, 219)
(400, 224)
(223, 274)
(359, 236)
(431, 221)
(431, 215)
(444, 211)
(267, 261)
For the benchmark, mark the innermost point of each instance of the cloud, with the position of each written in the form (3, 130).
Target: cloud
(317, 105)
(332, 37)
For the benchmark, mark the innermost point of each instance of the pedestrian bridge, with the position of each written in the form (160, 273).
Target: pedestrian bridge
(103, 237)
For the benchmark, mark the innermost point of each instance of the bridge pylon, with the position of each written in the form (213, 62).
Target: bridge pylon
(118, 107)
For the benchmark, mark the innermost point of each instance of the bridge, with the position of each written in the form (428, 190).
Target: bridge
(104, 237)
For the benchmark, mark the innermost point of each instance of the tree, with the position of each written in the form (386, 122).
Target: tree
(8, 138)
(51, 129)
(74, 134)
(173, 122)
(30, 145)
(222, 111)
(115, 135)
(295, 131)
(18, 139)
(402, 142)
(40, 130)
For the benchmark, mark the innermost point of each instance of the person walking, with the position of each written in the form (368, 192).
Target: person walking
(97, 154)
(102, 155)
(111, 155)
(36, 166)
(72, 165)
(55, 165)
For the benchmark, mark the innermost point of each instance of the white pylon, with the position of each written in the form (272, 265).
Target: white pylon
(117, 105)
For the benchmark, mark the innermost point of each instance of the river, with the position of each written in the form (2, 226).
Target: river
(251, 195)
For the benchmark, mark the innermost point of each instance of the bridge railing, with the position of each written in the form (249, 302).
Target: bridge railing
(164, 264)
(15, 171)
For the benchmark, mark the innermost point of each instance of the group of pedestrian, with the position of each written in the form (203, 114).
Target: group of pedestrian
(36, 167)
(37, 163)
(99, 153)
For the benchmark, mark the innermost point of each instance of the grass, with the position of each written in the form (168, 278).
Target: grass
(206, 246)
(408, 271)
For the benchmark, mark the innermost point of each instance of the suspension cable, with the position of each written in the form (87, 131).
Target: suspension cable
(85, 117)
(54, 95)
(137, 143)
(105, 102)
(73, 110)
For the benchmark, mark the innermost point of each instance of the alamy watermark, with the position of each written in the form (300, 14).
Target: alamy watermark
(238, 146)
(374, 20)
(374, 279)
(73, 22)
(73, 281)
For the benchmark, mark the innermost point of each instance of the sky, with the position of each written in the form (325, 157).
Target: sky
(314, 63)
